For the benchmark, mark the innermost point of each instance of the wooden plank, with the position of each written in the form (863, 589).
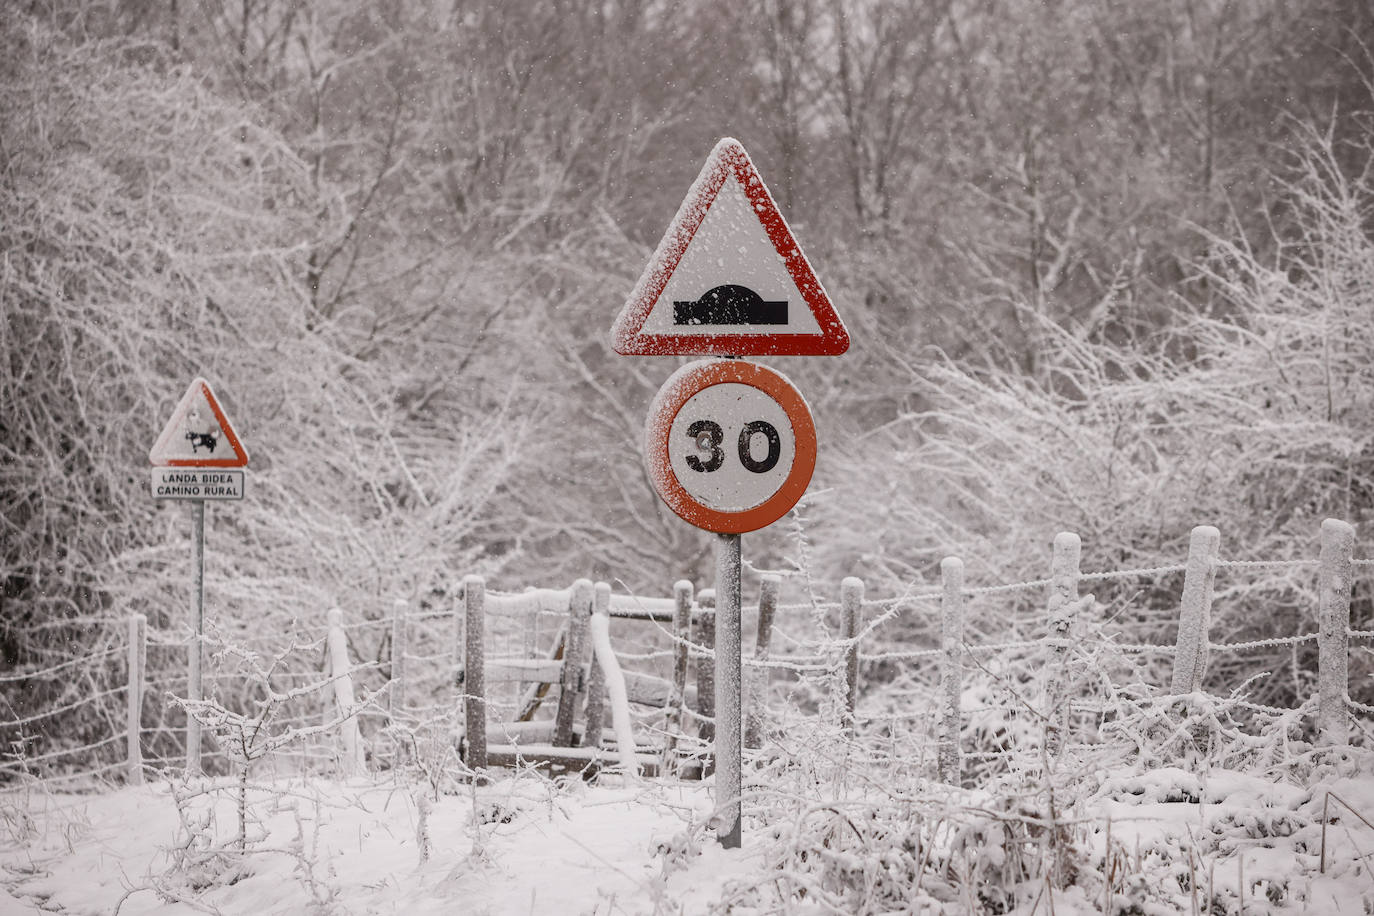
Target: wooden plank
(647, 689)
(634, 607)
(579, 613)
(535, 696)
(533, 601)
(521, 732)
(535, 670)
(596, 681)
(590, 760)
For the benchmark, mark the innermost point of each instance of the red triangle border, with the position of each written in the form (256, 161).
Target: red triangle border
(240, 458)
(728, 157)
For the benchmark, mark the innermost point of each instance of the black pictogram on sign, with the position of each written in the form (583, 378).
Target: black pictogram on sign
(209, 440)
(729, 303)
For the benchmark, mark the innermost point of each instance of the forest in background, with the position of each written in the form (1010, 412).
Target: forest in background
(1106, 265)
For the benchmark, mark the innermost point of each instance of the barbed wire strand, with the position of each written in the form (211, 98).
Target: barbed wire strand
(61, 666)
(76, 704)
(20, 763)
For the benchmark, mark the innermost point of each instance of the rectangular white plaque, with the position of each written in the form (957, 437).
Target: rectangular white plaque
(198, 483)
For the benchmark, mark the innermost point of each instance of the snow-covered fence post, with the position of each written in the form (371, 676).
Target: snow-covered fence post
(756, 712)
(1336, 578)
(474, 685)
(612, 680)
(951, 677)
(596, 678)
(1195, 610)
(396, 699)
(1063, 605)
(682, 636)
(851, 612)
(351, 751)
(138, 659)
(705, 633)
(570, 683)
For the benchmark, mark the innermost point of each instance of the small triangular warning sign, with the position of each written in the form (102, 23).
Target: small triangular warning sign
(729, 278)
(199, 434)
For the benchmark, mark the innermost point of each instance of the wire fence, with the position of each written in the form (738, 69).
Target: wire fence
(278, 700)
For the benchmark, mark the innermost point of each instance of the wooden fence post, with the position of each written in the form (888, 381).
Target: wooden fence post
(1063, 605)
(705, 631)
(1064, 574)
(396, 699)
(682, 637)
(474, 687)
(1195, 610)
(756, 712)
(1336, 579)
(579, 615)
(851, 614)
(596, 678)
(951, 677)
(351, 758)
(138, 663)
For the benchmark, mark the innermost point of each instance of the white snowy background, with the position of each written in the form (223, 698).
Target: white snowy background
(1107, 270)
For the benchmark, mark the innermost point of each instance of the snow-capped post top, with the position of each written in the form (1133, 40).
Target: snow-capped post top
(728, 277)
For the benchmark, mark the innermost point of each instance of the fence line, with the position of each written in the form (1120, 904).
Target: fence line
(690, 637)
(60, 666)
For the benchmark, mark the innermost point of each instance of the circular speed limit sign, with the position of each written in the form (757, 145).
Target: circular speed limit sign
(730, 445)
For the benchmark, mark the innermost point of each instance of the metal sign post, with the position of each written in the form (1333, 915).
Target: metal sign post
(194, 689)
(729, 692)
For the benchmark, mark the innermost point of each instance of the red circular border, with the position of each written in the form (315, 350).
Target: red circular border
(676, 392)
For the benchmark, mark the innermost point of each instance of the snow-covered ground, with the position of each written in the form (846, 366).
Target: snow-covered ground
(521, 845)
(528, 844)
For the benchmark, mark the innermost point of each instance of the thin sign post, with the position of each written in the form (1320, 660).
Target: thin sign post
(194, 689)
(729, 693)
(197, 457)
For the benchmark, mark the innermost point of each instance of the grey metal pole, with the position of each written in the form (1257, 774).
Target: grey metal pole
(194, 692)
(729, 690)
(138, 660)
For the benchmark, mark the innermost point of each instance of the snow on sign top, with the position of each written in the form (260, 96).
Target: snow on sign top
(199, 435)
(729, 278)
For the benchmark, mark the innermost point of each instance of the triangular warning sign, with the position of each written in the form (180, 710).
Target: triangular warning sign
(199, 435)
(728, 278)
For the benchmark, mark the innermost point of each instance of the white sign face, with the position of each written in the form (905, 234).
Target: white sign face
(731, 447)
(760, 297)
(198, 483)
